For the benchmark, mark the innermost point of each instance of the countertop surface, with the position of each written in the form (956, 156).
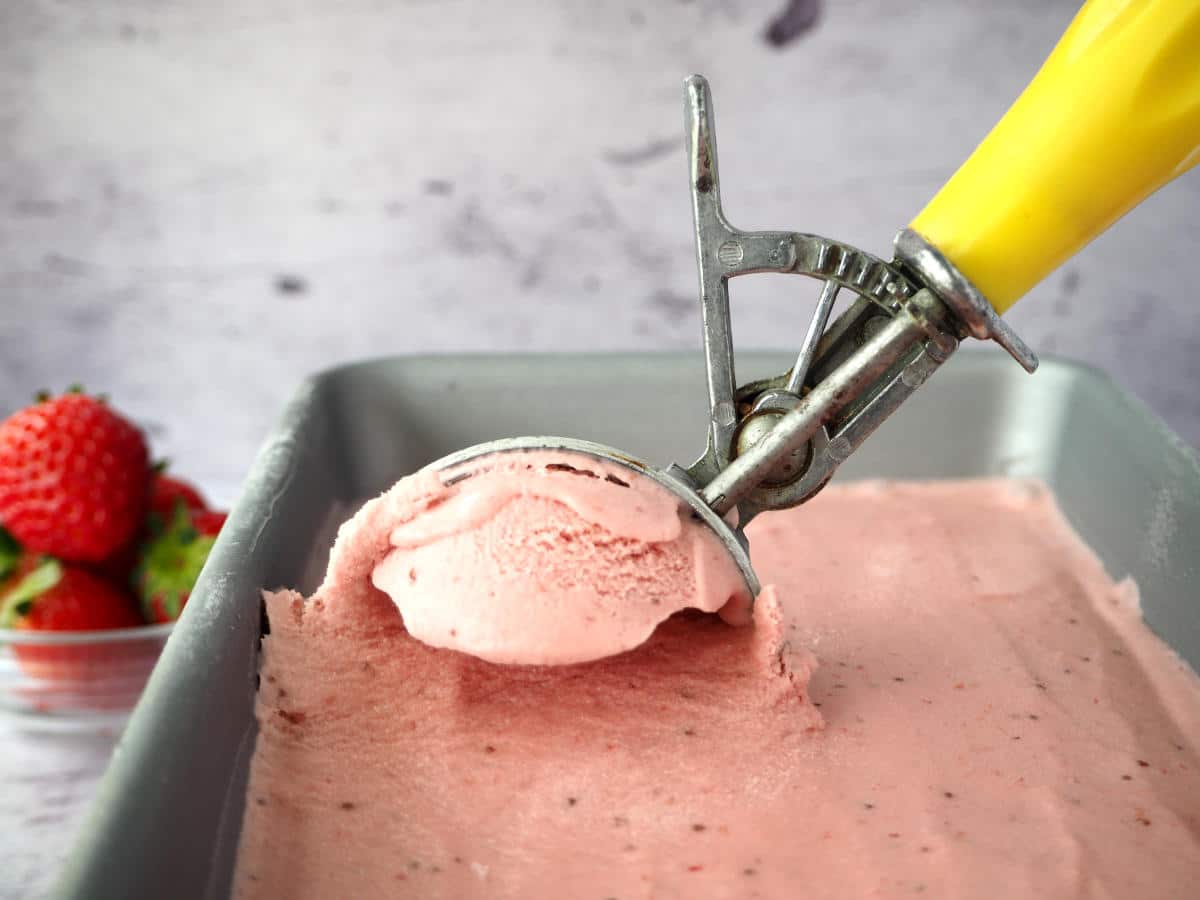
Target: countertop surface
(48, 780)
(201, 204)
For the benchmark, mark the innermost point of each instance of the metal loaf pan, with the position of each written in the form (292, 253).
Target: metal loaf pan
(166, 819)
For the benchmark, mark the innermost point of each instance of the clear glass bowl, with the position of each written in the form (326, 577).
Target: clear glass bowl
(76, 680)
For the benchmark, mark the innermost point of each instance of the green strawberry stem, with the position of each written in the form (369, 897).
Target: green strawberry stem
(20, 598)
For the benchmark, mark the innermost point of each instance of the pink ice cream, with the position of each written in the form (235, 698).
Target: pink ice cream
(545, 557)
(990, 718)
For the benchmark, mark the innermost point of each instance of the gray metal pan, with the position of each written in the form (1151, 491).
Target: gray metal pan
(166, 819)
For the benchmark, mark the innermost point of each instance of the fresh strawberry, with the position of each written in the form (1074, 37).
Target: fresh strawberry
(167, 493)
(45, 595)
(209, 522)
(173, 560)
(73, 478)
(55, 596)
(120, 566)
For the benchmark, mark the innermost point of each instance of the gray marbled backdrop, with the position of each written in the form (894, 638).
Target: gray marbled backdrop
(203, 201)
(200, 204)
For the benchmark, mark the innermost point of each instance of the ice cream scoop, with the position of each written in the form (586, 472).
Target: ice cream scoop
(1113, 115)
(547, 556)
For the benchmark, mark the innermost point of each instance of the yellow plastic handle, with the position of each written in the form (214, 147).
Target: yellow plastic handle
(1113, 115)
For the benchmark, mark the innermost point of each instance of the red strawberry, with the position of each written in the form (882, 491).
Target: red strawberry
(73, 478)
(209, 522)
(166, 493)
(173, 560)
(119, 566)
(43, 594)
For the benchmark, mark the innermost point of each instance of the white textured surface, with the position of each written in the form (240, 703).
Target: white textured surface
(476, 176)
(48, 780)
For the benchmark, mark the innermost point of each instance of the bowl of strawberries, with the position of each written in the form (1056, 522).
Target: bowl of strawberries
(99, 549)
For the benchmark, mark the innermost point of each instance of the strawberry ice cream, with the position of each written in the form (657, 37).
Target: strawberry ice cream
(990, 717)
(544, 557)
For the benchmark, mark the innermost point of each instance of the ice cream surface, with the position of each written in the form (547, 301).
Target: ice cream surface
(545, 558)
(990, 717)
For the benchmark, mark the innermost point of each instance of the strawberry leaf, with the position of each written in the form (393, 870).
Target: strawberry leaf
(16, 603)
(171, 563)
(10, 553)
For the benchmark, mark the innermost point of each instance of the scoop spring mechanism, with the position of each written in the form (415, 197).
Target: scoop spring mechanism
(775, 443)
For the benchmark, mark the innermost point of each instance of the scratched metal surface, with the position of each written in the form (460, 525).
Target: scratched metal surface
(200, 204)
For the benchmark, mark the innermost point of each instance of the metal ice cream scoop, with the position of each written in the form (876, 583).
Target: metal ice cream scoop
(1112, 116)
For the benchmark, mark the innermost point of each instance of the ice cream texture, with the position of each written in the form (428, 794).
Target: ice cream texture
(545, 558)
(990, 717)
